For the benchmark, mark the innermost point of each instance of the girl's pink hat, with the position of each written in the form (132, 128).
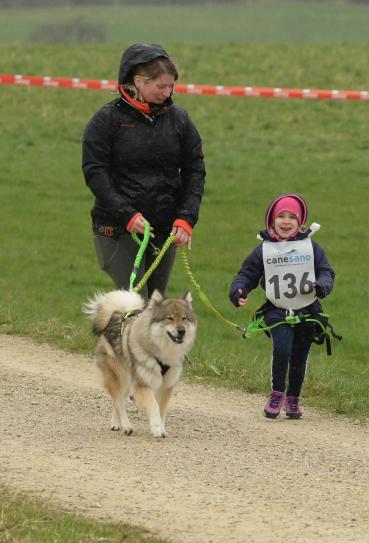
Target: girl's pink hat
(287, 202)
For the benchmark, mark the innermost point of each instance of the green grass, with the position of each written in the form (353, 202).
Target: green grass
(255, 149)
(249, 22)
(28, 520)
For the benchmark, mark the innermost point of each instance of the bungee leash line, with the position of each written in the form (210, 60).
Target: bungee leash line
(257, 325)
(201, 294)
(143, 245)
(203, 297)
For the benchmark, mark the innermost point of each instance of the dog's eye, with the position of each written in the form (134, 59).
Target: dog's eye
(169, 318)
(184, 318)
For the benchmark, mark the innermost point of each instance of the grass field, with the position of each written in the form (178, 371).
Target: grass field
(255, 149)
(263, 21)
(24, 519)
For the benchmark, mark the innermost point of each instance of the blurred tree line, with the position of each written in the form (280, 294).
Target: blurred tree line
(51, 3)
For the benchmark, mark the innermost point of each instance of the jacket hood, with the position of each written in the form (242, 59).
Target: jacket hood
(139, 53)
(299, 199)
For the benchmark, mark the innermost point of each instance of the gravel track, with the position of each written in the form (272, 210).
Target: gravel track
(225, 474)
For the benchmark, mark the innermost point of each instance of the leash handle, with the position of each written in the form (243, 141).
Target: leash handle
(143, 244)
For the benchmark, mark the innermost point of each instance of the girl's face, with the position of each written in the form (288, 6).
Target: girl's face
(286, 225)
(157, 90)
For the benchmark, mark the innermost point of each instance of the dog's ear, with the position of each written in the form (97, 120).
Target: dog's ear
(156, 297)
(188, 297)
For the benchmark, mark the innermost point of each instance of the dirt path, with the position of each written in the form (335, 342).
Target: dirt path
(225, 473)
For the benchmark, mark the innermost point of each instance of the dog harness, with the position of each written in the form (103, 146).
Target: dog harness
(133, 313)
(163, 367)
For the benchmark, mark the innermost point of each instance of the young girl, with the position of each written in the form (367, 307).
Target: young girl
(294, 272)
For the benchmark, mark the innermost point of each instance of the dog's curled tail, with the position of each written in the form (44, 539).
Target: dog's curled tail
(101, 307)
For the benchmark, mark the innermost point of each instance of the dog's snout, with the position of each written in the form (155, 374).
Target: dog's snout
(181, 331)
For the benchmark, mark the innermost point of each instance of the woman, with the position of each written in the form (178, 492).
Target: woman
(143, 160)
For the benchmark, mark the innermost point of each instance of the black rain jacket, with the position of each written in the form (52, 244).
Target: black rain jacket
(137, 163)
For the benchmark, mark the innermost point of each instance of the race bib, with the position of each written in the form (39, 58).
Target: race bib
(289, 273)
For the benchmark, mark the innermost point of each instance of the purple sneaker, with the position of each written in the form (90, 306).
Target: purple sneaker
(274, 404)
(292, 407)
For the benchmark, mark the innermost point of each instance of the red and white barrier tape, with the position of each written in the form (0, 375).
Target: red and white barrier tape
(209, 90)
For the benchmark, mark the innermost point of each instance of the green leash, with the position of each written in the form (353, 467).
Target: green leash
(258, 325)
(201, 294)
(143, 244)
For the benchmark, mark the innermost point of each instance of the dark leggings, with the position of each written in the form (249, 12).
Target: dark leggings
(291, 346)
(116, 257)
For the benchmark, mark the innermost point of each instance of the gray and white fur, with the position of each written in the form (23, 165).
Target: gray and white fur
(140, 351)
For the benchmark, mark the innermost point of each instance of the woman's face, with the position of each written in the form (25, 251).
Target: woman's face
(157, 90)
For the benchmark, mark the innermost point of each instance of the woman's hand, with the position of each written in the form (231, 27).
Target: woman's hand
(182, 237)
(138, 226)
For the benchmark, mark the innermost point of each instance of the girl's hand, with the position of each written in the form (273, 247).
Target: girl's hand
(319, 291)
(182, 237)
(241, 301)
(239, 298)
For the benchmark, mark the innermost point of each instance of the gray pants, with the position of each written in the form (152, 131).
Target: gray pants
(116, 256)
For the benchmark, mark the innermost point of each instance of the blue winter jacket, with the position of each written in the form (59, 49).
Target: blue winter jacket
(251, 275)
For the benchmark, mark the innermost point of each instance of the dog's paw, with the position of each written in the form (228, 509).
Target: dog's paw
(158, 431)
(160, 434)
(127, 431)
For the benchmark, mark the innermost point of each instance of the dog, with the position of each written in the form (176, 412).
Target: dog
(140, 351)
